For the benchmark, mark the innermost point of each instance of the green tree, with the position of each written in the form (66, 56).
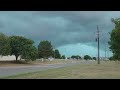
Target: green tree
(57, 54)
(76, 57)
(30, 53)
(4, 45)
(45, 49)
(19, 46)
(115, 39)
(94, 58)
(111, 58)
(73, 56)
(87, 57)
(63, 57)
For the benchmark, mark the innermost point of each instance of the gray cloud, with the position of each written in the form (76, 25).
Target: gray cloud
(60, 27)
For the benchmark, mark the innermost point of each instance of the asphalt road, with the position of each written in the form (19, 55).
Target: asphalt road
(14, 70)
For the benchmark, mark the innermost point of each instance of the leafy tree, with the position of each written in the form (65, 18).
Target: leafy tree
(19, 46)
(30, 53)
(115, 39)
(111, 58)
(45, 49)
(57, 54)
(73, 56)
(76, 57)
(94, 58)
(4, 45)
(63, 57)
(87, 57)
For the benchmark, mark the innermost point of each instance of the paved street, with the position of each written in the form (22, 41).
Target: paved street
(13, 70)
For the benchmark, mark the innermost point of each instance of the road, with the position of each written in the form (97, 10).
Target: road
(14, 70)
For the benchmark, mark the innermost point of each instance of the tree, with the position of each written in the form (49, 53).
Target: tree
(75, 57)
(20, 46)
(57, 54)
(111, 58)
(4, 45)
(94, 58)
(115, 39)
(72, 56)
(63, 57)
(30, 53)
(78, 57)
(87, 57)
(45, 49)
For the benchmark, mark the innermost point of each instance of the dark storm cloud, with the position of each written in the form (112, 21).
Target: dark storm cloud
(60, 27)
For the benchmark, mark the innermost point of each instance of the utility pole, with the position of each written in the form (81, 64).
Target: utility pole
(108, 53)
(98, 43)
(54, 52)
(105, 51)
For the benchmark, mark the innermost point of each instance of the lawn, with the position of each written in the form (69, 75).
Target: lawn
(105, 70)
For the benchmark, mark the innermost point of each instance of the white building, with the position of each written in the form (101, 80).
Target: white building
(8, 58)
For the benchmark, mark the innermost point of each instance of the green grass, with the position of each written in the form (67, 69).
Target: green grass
(105, 70)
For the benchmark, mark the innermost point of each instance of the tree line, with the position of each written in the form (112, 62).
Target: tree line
(23, 47)
(86, 57)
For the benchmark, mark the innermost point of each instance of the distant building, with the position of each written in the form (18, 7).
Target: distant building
(8, 58)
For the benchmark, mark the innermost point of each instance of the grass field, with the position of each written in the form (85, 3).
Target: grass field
(105, 70)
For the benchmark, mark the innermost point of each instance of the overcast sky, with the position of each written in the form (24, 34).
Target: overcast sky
(72, 32)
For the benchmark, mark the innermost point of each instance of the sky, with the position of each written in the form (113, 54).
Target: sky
(71, 32)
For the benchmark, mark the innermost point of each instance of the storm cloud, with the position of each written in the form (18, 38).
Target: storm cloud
(62, 28)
